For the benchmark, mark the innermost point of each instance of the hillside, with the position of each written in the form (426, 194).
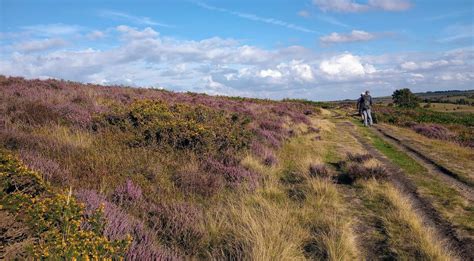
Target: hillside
(156, 175)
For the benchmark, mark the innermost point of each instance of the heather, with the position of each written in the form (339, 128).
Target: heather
(156, 163)
(55, 219)
(144, 174)
(452, 126)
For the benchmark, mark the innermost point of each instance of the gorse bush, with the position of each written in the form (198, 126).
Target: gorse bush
(181, 126)
(56, 220)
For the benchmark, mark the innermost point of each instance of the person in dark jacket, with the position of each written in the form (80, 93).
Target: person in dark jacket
(359, 105)
(367, 108)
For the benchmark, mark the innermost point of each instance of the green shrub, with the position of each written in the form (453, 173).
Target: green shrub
(405, 98)
(181, 126)
(56, 220)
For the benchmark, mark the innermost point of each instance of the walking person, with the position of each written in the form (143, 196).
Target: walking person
(367, 108)
(359, 105)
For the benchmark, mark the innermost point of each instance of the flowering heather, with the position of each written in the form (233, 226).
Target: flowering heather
(177, 224)
(201, 183)
(118, 225)
(50, 169)
(434, 131)
(356, 171)
(270, 159)
(233, 174)
(127, 193)
(318, 170)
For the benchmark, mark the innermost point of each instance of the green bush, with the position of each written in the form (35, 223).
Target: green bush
(56, 220)
(405, 98)
(181, 126)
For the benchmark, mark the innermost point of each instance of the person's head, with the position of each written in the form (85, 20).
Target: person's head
(367, 92)
(362, 94)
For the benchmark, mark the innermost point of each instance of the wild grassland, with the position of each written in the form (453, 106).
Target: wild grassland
(445, 199)
(387, 224)
(448, 107)
(191, 176)
(457, 158)
(294, 215)
(408, 237)
(450, 126)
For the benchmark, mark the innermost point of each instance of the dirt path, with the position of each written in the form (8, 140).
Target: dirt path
(449, 177)
(431, 217)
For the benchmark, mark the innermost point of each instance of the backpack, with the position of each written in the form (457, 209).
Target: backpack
(366, 102)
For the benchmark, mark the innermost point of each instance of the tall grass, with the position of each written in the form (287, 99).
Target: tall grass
(409, 237)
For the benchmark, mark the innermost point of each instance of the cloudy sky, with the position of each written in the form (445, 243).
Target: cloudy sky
(313, 49)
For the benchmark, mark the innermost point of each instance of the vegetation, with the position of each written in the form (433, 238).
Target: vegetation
(145, 174)
(441, 125)
(60, 225)
(405, 98)
(446, 199)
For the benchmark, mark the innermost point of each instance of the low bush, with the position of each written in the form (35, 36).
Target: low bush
(177, 225)
(360, 158)
(119, 224)
(197, 182)
(318, 170)
(55, 218)
(435, 131)
(292, 177)
(181, 126)
(127, 193)
(356, 171)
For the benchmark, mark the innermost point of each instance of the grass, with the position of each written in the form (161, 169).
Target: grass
(445, 199)
(449, 107)
(273, 225)
(448, 154)
(391, 229)
(408, 237)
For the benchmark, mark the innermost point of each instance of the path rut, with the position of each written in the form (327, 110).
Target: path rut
(448, 176)
(463, 247)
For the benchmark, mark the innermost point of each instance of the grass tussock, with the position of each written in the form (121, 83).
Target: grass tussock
(409, 237)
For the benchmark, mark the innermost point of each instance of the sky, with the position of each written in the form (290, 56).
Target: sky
(310, 49)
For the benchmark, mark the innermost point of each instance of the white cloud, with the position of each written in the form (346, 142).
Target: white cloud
(131, 18)
(304, 13)
(257, 18)
(39, 45)
(49, 30)
(331, 20)
(347, 6)
(350, 6)
(346, 66)
(270, 73)
(143, 57)
(133, 33)
(354, 36)
(391, 5)
(95, 35)
(428, 65)
(458, 33)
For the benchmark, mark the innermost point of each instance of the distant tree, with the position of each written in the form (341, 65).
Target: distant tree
(405, 98)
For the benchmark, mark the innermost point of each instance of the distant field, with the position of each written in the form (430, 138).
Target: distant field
(449, 107)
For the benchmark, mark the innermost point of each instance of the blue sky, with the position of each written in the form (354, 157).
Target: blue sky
(313, 49)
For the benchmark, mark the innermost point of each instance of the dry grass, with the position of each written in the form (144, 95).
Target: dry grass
(458, 158)
(321, 225)
(409, 237)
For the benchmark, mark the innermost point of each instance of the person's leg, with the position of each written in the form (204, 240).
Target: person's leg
(369, 115)
(364, 113)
